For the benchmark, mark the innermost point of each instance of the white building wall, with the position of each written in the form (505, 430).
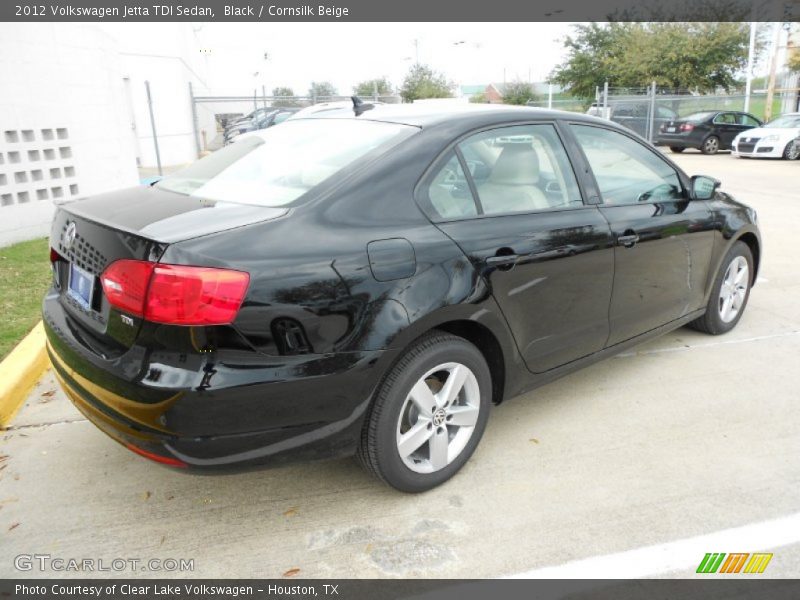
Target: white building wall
(168, 56)
(62, 124)
(74, 119)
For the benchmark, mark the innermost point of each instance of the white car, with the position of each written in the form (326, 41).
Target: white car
(776, 139)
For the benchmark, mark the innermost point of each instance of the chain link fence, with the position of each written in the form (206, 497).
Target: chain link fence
(644, 110)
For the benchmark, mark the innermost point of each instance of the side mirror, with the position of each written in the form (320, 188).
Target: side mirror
(703, 187)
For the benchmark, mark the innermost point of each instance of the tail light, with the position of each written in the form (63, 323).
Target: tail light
(55, 256)
(687, 127)
(175, 294)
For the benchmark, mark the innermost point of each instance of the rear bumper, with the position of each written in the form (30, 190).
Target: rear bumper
(270, 410)
(676, 141)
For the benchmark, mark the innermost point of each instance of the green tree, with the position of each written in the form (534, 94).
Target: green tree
(322, 89)
(284, 97)
(368, 87)
(478, 98)
(518, 92)
(687, 56)
(423, 82)
(794, 61)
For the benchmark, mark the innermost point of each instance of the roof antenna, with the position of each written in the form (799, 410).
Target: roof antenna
(359, 106)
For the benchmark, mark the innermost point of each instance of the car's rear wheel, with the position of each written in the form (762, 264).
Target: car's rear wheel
(792, 151)
(676, 149)
(710, 145)
(730, 292)
(428, 415)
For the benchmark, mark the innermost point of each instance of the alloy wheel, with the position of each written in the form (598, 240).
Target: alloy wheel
(733, 291)
(438, 417)
(711, 145)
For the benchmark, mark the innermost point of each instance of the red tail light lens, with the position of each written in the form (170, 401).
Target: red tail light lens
(175, 294)
(195, 295)
(125, 284)
(687, 127)
(55, 256)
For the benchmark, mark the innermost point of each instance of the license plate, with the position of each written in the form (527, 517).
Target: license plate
(81, 286)
(670, 130)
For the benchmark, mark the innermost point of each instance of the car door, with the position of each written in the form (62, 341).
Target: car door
(726, 128)
(509, 198)
(746, 121)
(663, 239)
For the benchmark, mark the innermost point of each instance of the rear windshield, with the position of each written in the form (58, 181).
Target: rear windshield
(698, 117)
(280, 164)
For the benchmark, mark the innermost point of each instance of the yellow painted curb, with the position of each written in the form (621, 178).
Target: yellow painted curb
(19, 371)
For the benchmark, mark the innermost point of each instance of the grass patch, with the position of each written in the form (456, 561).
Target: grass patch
(24, 279)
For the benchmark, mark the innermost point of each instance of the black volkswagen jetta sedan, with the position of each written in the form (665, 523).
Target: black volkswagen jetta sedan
(709, 131)
(371, 280)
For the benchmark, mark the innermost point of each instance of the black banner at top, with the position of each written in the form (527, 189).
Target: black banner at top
(405, 10)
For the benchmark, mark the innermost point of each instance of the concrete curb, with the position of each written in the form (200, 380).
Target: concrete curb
(19, 371)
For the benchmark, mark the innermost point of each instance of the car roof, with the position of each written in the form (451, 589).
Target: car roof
(427, 114)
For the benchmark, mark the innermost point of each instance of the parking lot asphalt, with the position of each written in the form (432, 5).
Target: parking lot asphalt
(636, 466)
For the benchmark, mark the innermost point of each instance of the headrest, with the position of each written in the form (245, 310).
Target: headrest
(517, 164)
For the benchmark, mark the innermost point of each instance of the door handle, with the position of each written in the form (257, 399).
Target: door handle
(628, 240)
(502, 260)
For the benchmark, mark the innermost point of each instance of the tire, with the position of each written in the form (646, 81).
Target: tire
(676, 149)
(395, 412)
(792, 151)
(717, 321)
(710, 145)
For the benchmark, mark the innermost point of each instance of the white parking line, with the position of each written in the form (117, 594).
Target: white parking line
(673, 556)
(708, 345)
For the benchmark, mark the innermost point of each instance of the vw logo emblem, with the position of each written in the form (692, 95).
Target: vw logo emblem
(439, 417)
(69, 235)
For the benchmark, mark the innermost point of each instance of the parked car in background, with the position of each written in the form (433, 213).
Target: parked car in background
(371, 280)
(262, 120)
(776, 139)
(707, 131)
(635, 115)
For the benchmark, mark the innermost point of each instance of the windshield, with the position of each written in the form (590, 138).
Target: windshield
(786, 121)
(283, 163)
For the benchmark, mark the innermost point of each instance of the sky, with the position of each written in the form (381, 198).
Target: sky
(346, 53)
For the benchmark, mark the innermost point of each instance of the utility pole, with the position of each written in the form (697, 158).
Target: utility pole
(749, 76)
(773, 71)
(153, 127)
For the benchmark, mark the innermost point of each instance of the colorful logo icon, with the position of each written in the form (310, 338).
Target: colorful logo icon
(716, 562)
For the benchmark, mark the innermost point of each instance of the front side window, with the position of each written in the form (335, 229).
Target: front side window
(520, 169)
(281, 164)
(626, 171)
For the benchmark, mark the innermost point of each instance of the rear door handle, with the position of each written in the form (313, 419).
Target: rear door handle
(628, 240)
(502, 260)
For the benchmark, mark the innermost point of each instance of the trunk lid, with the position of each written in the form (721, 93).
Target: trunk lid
(136, 224)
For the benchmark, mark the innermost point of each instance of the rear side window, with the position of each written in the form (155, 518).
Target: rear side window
(747, 120)
(626, 171)
(279, 165)
(520, 169)
(516, 169)
(449, 192)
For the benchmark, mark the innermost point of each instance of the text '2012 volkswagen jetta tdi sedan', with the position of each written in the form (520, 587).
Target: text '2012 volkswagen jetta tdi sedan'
(369, 280)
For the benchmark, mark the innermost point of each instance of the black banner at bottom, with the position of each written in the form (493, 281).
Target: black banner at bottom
(411, 589)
